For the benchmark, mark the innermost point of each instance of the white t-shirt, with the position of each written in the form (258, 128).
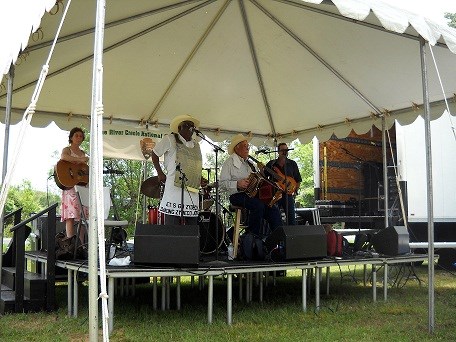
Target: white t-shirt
(171, 201)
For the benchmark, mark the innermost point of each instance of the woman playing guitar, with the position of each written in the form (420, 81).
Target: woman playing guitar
(71, 170)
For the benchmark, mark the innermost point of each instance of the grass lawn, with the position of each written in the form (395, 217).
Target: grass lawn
(347, 314)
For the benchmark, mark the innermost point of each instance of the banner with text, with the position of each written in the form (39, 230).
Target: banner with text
(130, 143)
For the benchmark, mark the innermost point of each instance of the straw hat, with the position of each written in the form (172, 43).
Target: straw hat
(174, 125)
(236, 140)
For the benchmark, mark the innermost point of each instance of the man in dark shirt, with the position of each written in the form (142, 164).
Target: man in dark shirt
(287, 168)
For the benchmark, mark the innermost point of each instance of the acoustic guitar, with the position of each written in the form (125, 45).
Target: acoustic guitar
(67, 175)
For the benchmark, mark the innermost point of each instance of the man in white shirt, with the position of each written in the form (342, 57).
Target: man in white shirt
(183, 165)
(234, 178)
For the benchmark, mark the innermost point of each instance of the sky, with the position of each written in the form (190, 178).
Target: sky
(42, 146)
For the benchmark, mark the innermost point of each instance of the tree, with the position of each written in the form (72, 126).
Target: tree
(30, 200)
(303, 155)
(125, 189)
(452, 19)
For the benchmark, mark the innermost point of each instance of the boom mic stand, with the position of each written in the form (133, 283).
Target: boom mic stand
(217, 149)
(183, 178)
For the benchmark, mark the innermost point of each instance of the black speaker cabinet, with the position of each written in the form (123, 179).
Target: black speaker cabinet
(393, 240)
(298, 242)
(167, 244)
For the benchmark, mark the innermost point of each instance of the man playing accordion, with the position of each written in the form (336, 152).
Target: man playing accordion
(236, 176)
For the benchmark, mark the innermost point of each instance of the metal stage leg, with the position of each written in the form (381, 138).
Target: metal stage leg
(250, 287)
(229, 299)
(374, 282)
(154, 293)
(327, 280)
(163, 297)
(261, 286)
(317, 288)
(111, 305)
(178, 293)
(364, 274)
(75, 294)
(168, 292)
(210, 298)
(310, 278)
(192, 281)
(240, 286)
(70, 293)
(385, 282)
(304, 290)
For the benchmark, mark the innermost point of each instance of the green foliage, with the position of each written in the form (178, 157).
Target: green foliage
(303, 156)
(451, 19)
(30, 200)
(125, 190)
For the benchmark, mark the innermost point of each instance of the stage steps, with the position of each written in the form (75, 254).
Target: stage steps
(22, 290)
(34, 291)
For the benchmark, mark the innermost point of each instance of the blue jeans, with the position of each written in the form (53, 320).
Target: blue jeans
(282, 203)
(257, 212)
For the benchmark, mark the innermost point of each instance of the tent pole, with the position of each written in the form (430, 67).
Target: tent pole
(9, 98)
(95, 179)
(430, 199)
(385, 173)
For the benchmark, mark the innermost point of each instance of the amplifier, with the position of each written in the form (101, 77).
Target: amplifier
(167, 244)
(298, 242)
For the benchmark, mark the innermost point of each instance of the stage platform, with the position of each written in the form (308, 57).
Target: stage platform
(211, 268)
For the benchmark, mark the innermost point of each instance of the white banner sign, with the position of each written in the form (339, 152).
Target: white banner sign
(125, 143)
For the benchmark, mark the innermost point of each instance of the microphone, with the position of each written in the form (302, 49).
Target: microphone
(112, 172)
(285, 150)
(178, 167)
(196, 131)
(265, 150)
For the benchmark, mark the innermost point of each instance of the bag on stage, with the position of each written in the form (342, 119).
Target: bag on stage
(334, 243)
(253, 247)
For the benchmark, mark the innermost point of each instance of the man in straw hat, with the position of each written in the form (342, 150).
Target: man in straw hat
(234, 177)
(182, 157)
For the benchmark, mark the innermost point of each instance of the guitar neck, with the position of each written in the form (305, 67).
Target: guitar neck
(272, 172)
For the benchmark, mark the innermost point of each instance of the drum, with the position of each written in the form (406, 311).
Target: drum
(205, 198)
(155, 217)
(207, 224)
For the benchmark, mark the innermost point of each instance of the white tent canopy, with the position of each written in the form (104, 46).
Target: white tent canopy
(285, 69)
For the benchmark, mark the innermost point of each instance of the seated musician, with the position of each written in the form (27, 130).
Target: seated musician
(234, 177)
(288, 169)
(182, 155)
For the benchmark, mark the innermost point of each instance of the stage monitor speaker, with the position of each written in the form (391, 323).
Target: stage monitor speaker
(298, 242)
(167, 244)
(393, 240)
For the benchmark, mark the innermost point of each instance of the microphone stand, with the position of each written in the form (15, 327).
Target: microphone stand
(359, 161)
(183, 178)
(217, 149)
